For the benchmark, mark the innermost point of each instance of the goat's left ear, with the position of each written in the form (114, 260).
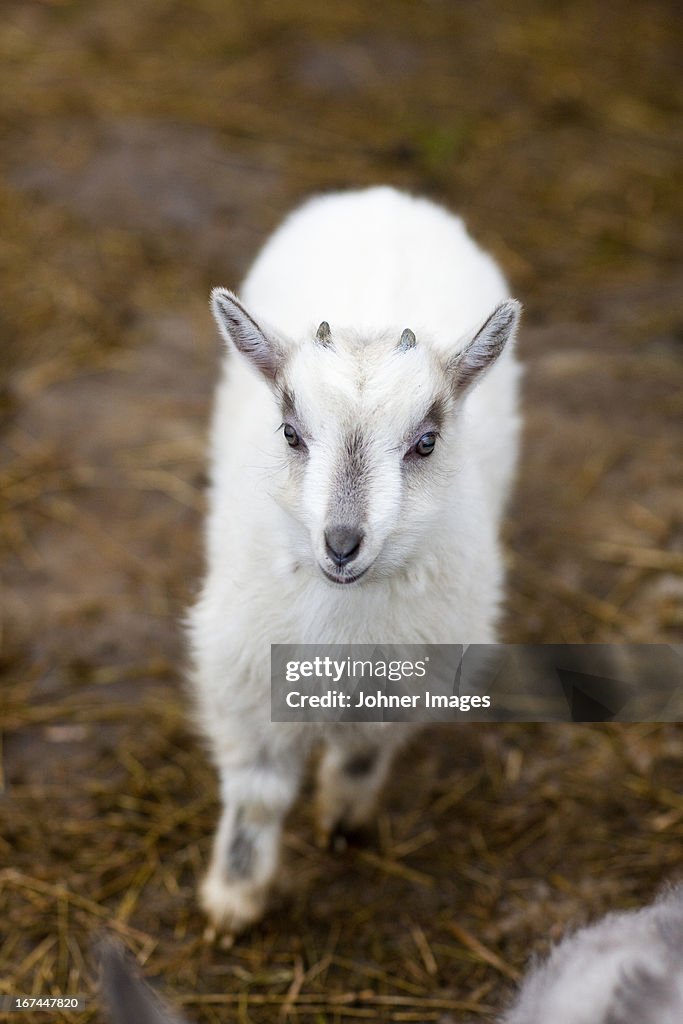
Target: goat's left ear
(239, 327)
(482, 351)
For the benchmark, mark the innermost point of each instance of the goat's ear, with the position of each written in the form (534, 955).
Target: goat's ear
(487, 344)
(239, 327)
(128, 999)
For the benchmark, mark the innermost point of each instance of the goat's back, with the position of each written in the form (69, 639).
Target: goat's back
(374, 259)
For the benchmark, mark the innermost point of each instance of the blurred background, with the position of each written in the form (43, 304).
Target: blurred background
(147, 151)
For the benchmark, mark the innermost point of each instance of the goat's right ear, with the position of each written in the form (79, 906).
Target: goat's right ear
(239, 327)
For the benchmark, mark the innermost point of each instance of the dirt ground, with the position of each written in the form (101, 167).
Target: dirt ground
(147, 149)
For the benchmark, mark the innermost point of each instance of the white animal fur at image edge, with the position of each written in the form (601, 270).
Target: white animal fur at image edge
(363, 445)
(625, 969)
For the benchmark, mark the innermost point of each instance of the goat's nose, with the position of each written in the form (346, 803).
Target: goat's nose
(343, 543)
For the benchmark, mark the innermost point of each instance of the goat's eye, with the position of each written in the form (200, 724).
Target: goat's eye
(291, 436)
(425, 446)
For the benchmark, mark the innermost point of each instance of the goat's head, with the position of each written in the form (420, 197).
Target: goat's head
(369, 428)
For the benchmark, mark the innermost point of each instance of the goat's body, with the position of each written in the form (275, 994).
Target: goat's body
(376, 261)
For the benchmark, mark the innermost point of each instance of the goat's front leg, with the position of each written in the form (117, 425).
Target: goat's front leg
(256, 796)
(353, 770)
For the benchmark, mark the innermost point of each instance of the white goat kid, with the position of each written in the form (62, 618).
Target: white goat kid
(363, 445)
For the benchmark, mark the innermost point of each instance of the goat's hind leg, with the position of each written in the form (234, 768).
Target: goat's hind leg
(256, 796)
(352, 772)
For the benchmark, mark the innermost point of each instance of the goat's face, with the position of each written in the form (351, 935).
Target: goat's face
(368, 434)
(365, 427)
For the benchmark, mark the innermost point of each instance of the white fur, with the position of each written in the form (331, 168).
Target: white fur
(371, 264)
(625, 969)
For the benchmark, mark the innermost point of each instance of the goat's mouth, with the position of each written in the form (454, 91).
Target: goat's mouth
(343, 578)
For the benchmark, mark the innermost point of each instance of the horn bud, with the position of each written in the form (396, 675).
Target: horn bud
(407, 340)
(323, 335)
